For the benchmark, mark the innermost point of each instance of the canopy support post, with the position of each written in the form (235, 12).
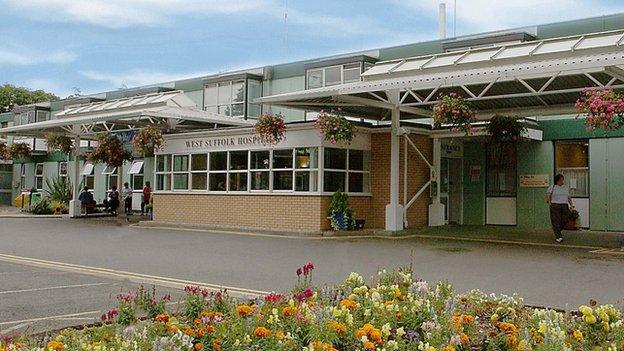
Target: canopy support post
(74, 204)
(436, 208)
(394, 210)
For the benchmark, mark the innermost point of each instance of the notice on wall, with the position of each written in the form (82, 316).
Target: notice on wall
(534, 181)
(475, 173)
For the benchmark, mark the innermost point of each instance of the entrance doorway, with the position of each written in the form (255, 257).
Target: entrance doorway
(451, 189)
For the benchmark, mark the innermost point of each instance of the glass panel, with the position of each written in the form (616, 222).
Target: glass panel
(225, 93)
(180, 163)
(260, 159)
(199, 162)
(332, 75)
(238, 91)
(41, 116)
(112, 181)
(306, 181)
(356, 160)
(572, 161)
(213, 109)
(335, 158)
(90, 181)
(356, 182)
(39, 169)
(351, 74)
(315, 78)
(282, 180)
(224, 110)
(334, 181)
(306, 158)
(218, 161)
(501, 171)
(254, 110)
(255, 91)
(63, 168)
(162, 163)
(238, 160)
(39, 183)
(283, 159)
(137, 182)
(199, 181)
(210, 95)
(218, 181)
(238, 181)
(260, 180)
(180, 181)
(238, 109)
(163, 182)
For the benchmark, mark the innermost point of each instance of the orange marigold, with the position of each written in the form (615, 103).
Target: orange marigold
(163, 318)
(289, 311)
(348, 303)
(262, 332)
(55, 345)
(199, 346)
(340, 328)
(216, 345)
(369, 345)
(245, 310)
(464, 339)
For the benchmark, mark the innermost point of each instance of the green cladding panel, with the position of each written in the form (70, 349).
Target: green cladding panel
(606, 184)
(473, 188)
(534, 157)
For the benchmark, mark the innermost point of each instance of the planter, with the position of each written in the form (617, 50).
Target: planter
(570, 225)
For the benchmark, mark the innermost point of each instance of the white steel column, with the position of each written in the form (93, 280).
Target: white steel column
(394, 210)
(74, 204)
(436, 208)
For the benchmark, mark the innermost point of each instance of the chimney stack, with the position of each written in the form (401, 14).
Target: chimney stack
(442, 21)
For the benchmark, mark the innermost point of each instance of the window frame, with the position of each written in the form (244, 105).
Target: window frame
(556, 169)
(343, 66)
(39, 177)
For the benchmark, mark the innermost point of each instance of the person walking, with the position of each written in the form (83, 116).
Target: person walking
(126, 194)
(147, 194)
(113, 201)
(559, 201)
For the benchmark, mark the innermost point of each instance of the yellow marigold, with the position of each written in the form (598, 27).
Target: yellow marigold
(280, 335)
(340, 328)
(289, 311)
(321, 346)
(163, 318)
(449, 348)
(189, 332)
(245, 310)
(262, 332)
(375, 335)
(370, 332)
(349, 304)
(465, 340)
(199, 346)
(508, 328)
(578, 335)
(369, 345)
(511, 341)
(55, 345)
(216, 345)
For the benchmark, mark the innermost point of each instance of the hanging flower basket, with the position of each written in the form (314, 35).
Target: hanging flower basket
(110, 150)
(504, 129)
(604, 109)
(19, 151)
(454, 110)
(4, 151)
(59, 142)
(271, 128)
(147, 140)
(335, 128)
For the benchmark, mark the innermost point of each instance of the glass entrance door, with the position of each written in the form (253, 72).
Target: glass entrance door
(451, 189)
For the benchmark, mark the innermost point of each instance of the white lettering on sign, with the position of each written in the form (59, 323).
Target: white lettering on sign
(210, 143)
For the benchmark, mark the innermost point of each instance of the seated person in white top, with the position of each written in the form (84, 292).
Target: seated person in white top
(559, 200)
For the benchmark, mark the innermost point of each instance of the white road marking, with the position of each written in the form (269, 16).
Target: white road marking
(51, 318)
(51, 288)
(134, 277)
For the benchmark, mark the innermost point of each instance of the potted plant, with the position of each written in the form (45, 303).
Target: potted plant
(19, 150)
(109, 150)
(604, 109)
(504, 129)
(572, 219)
(147, 140)
(341, 215)
(454, 110)
(334, 127)
(271, 128)
(59, 142)
(4, 151)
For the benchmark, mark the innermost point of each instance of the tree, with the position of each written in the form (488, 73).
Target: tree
(11, 95)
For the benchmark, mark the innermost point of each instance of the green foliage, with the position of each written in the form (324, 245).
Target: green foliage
(505, 129)
(43, 207)
(11, 95)
(60, 189)
(339, 207)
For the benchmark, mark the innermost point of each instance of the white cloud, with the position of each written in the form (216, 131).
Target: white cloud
(137, 77)
(26, 57)
(127, 13)
(486, 15)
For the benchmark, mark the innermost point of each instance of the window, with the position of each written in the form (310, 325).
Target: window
(22, 176)
(136, 175)
(346, 170)
(255, 91)
(218, 171)
(199, 172)
(180, 172)
(88, 179)
(238, 171)
(62, 169)
(572, 161)
(501, 171)
(163, 172)
(39, 176)
(306, 169)
(283, 169)
(111, 176)
(226, 98)
(259, 173)
(4, 124)
(42, 116)
(333, 75)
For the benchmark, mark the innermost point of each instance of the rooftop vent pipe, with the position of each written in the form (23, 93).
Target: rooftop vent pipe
(442, 21)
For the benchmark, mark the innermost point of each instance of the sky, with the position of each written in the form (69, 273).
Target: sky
(99, 45)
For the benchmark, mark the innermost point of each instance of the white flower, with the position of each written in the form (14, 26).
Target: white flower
(400, 332)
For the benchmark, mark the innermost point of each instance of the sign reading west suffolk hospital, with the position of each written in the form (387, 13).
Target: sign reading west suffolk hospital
(210, 143)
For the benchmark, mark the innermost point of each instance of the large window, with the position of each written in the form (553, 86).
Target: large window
(39, 176)
(572, 160)
(281, 170)
(88, 179)
(111, 176)
(226, 98)
(136, 175)
(333, 75)
(501, 171)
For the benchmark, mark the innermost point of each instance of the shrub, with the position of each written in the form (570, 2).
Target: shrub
(43, 207)
(341, 215)
(60, 189)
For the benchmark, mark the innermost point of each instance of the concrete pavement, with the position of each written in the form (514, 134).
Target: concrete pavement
(547, 276)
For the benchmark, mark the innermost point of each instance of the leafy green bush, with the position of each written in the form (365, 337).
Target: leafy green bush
(43, 207)
(341, 215)
(60, 189)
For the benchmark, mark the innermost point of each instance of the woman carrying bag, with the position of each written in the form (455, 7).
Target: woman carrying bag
(559, 200)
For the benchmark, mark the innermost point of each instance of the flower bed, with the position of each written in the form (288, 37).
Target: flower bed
(396, 312)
